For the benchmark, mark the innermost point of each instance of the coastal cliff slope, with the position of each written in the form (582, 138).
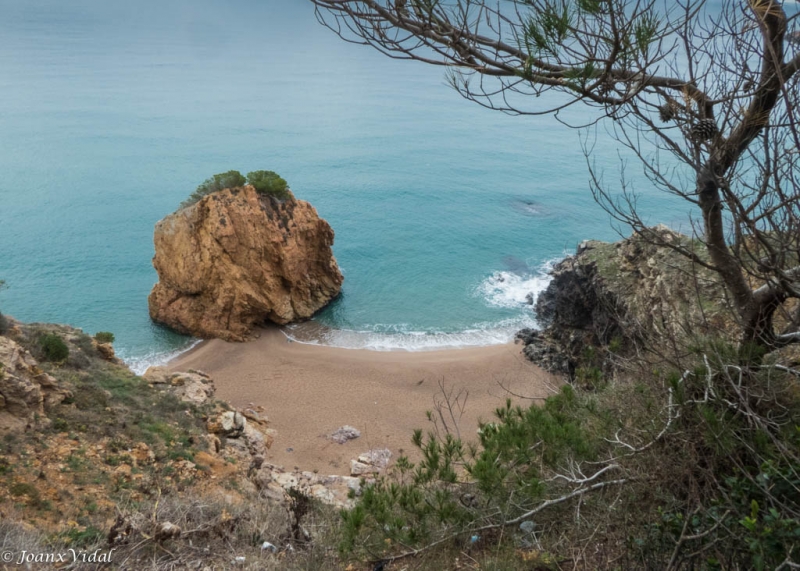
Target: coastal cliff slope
(26, 391)
(100, 461)
(236, 259)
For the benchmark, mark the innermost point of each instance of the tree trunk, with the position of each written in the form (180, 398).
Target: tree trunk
(755, 314)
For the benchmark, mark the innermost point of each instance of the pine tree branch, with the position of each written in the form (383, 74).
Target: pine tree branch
(519, 519)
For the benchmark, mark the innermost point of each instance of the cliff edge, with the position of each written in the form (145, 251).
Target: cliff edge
(613, 299)
(236, 259)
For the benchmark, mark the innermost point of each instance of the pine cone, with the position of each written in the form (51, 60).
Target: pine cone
(666, 113)
(703, 130)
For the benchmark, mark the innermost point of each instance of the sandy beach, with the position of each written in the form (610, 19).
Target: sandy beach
(309, 391)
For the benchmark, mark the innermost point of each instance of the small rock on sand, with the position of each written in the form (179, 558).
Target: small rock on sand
(344, 433)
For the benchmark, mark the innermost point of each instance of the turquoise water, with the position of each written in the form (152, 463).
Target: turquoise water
(445, 213)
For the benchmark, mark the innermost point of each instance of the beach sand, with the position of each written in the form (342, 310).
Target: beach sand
(309, 391)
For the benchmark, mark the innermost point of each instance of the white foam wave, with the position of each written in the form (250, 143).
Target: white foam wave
(478, 335)
(528, 207)
(140, 363)
(509, 289)
(531, 209)
(502, 289)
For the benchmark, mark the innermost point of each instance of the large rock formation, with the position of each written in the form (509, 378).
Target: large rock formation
(608, 299)
(236, 259)
(26, 391)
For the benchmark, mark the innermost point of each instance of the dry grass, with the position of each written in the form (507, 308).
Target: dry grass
(215, 534)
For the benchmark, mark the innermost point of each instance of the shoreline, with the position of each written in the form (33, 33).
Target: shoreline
(140, 364)
(314, 333)
(308, 391)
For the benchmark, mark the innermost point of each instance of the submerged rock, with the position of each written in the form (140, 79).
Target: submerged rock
(236, 259)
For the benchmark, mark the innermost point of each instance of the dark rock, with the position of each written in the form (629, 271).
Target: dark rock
(608, 299)
(526, 336)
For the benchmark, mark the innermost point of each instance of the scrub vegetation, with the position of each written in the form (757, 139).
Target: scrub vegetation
(266, 183)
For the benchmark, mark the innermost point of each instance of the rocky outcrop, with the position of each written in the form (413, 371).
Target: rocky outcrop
(231, 424)
(373, 461)
(275, 483)
(25, 390)
(192, 386)
(245, 436)
(106, 351)
(237, 259)
(608, 299)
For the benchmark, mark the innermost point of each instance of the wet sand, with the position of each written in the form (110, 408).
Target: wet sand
(309, 391)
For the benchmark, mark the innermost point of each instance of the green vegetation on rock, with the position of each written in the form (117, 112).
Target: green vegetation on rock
(53, 347)
(221, 181)
(104, 337)
(269, 183)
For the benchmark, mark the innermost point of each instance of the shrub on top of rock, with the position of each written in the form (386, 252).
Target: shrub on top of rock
(53, 347)
(221, 181)
(269, 183)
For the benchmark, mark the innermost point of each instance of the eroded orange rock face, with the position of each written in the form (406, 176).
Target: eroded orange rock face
(236, 259)
(26, 391)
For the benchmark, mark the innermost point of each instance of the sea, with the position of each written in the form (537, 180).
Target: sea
(447, 215)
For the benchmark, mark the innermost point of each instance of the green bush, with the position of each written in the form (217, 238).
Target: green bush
(698, 467)
(221, 181)
(504, 473)
(53, 347)
(269, 183)
(104, 337)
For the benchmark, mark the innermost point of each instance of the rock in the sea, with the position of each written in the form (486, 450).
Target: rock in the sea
(237, 259)
(25, 390)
